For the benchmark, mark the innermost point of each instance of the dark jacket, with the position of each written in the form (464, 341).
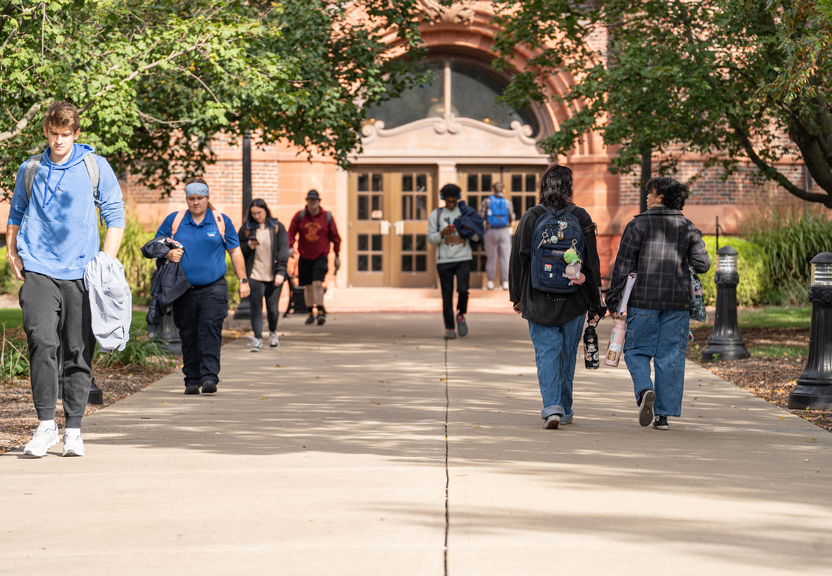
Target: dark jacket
(280, 247)
(169, 281)
(470, 224)
(544, 307)
(658, 245)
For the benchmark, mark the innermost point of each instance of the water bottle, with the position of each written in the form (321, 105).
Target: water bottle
(591, 348)
(616, 346)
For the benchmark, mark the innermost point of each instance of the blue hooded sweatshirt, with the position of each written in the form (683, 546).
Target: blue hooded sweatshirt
(58, 233)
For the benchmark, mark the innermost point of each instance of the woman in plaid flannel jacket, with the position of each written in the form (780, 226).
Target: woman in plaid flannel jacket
(658, 245)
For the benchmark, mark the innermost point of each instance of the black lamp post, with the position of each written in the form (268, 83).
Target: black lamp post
(814, 387)
(243, 311)
(725, 342)
(169, 334)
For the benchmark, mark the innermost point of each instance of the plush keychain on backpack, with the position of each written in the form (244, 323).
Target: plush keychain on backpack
(573, 267)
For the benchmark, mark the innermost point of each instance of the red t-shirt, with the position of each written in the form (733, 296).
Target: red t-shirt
(315, 235)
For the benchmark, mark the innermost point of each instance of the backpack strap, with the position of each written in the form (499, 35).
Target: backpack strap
(302, 215)
(328, 218)
(559, 213)
(176, 222)
(95, 178)
(32, 166)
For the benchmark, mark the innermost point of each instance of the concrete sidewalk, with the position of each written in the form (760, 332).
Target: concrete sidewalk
(365, 446)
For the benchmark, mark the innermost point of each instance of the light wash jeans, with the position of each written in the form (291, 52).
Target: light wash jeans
(663, 336)
(555, 353)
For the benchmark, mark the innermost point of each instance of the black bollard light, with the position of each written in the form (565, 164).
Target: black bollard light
(814, 387)
(243, 311)
(169, 333)
(725, 342)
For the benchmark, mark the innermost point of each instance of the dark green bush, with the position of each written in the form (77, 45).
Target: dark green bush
(751, 266)
(8, 283)
(790, 235)
(141, 351)
(14, 355)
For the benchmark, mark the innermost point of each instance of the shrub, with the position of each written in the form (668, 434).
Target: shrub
(233, 284)
(790, 235)
(141, 351)
(751, 266)
(14, 355)
(8, 283)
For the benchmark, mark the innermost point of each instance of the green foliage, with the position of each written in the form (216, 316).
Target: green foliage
(140, 352)
(679, 77)
(8, 283)
(776, 317)
(14, 355)
(233, 284)
(751, 266)
(772, 351)
(156, 81)
(790, 236)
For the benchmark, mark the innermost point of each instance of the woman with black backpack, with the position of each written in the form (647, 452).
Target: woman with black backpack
(554, 282)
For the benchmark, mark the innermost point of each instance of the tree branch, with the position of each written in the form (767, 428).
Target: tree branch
(22, 124)
(772, 173)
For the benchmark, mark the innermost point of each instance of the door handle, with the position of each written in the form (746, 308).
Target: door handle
(384, 227)
(399, 226)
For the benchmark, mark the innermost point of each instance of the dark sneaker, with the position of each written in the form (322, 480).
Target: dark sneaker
(310, 319)
(461, 325)
(660, 423)
(645, 413)
(209, 387)
(321, 318)
(450, 335)
(192, 389)
(551, 422)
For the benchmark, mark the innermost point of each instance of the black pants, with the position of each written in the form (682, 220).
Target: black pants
(56, 317)
(198, 314)
(462, 271)
(272, 294)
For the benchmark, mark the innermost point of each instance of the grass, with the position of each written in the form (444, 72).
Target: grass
(13, 318)
(776, 317)
(779, 351)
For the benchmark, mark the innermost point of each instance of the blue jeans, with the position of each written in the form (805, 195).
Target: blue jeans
(663, 336)
(555, 353)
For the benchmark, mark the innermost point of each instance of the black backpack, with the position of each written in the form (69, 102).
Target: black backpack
(555, 232)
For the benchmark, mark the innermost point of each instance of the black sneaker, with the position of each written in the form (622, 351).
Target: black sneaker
(461, 325)
(321, 318)
(660, 423)
(450, 335)
(645, 413)
(310, 319)
(209, 387)
(192, 389)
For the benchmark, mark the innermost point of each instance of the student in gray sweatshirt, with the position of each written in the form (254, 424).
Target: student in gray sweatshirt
(453, 255)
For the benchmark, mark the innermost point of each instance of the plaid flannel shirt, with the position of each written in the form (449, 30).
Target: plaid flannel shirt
(658, 245)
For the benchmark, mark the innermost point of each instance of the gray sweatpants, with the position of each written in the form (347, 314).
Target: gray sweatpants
(56, 316)
(497, 243)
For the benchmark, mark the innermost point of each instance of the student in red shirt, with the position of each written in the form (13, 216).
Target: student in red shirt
(316, 229)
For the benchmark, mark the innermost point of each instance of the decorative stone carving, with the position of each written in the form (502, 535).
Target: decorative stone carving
(457, 13)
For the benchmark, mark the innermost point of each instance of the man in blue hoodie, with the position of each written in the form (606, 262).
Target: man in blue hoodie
(51, 235)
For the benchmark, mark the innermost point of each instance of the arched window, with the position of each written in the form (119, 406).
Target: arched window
(471, 89)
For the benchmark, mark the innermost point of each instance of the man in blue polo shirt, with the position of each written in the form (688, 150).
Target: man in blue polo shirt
(206, 235)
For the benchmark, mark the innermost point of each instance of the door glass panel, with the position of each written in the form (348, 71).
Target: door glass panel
(363, 182)
(370, 202)
(369, 252)
(363, 207)
(407, 243)
(421, 263)
(516, 183)
(377, 183)
(376, 262)
(421, 243)
(414, 200)
(363, 244)
(362, 263)
(407, 263)
(486, 183)
(473, 183)
(376, 242)
(531, 183)
(407, 183)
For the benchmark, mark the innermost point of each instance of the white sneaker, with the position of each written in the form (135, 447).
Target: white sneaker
(552, 422)
(73, 446)
(490, 285)
(257, 345)
(273, 343)
(45, 437)
(505, 285)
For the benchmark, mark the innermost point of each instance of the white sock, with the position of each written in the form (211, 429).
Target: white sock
(47, 424)
(72, 432)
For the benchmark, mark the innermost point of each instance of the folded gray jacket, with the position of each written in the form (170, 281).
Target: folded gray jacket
(111, 303)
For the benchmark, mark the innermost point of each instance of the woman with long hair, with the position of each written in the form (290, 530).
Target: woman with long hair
(265, 246)
(555, 314)
(205, 235)
(658, 245)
